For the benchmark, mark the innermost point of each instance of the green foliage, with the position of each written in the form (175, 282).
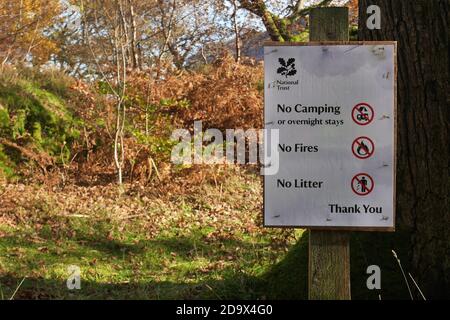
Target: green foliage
(157, 140)
(53, 81)
(4, 119)
(18, 127)
(301, 37)
(6, 166)
(260, 86)
(37, 132)
(33, 112)
(182, 104)
(159, 146)
(104, 88)
(353, 33)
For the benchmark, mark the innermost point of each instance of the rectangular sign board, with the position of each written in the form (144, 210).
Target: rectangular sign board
(334, 106)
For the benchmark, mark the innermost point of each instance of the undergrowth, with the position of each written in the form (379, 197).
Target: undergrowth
(34, 116)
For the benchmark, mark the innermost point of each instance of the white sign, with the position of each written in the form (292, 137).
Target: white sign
(334, 107)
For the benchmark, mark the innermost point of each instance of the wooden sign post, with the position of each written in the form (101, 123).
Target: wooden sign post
(329, 251)
(329, 115)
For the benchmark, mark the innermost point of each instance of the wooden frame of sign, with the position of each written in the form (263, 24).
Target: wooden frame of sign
(331, 44)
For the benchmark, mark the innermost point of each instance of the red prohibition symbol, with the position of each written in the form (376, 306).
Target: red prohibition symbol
(362, 114)
(362, 184)
(363, 147)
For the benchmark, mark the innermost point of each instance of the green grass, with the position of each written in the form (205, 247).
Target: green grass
(205, 244)
(33, 112)
(170, 266)
(202, 245)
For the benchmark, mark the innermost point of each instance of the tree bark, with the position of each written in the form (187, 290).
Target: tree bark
(276, 26)
(236, 32)
(135, 59)
(423, 188)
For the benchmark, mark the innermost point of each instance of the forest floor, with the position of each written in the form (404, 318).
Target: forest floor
(207, 244)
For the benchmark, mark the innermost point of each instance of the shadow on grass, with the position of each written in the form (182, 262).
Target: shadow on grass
(230, 282)
(286, 279)
(236, 287)
(376, 249)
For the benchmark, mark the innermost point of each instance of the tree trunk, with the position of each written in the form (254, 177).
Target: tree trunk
(423, 188)
(236, 32)
(135, 59)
